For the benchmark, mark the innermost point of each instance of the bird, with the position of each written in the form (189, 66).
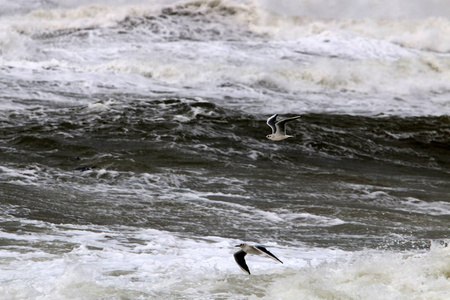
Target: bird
(239, 256)
(279, 128)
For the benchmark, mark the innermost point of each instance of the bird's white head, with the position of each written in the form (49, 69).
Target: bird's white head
(241, 245)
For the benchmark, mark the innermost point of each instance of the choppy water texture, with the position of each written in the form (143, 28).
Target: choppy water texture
(133, 157)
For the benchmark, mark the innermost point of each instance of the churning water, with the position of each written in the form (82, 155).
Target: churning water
(133, 157)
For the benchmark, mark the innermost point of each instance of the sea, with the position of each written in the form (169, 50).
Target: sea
(133, 156)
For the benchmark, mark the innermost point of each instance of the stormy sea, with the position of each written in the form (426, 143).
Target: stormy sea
(134, 158)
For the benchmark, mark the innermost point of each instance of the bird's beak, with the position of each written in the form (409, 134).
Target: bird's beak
(237, 245)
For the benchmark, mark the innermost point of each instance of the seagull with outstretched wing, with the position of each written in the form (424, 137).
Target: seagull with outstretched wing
(279, 128)
(239, 256)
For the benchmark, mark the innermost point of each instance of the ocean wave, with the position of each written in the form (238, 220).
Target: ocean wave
(202, 126)
(224, 50)
(229, 20)
(136, 163)
(94, 261)
(134, 158)
(371, 276)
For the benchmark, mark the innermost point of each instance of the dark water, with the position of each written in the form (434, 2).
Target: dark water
(193, 166)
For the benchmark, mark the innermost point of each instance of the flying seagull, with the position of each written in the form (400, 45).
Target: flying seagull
(239, 256)
(279, 128)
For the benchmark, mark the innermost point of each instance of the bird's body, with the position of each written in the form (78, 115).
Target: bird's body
(279, 128)
(239, 256)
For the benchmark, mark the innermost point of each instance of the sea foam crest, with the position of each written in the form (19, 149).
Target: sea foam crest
(125, 262)
(371, 276)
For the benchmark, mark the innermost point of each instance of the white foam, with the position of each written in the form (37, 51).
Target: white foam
(370, 77)
(306, 219)
(364, 66)
(100, 106)
(360, 9)
(99, 261)
(383, 197)
(370, 276)
(13, 44)
(436, 208)
(27, 176)
(425, 32)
